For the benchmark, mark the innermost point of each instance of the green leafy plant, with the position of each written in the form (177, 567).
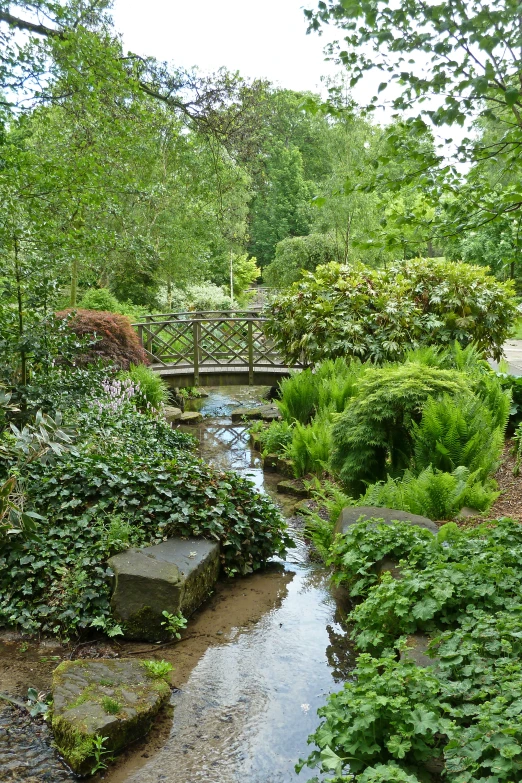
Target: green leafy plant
(311, 445)
(98, 752)
(433, 493)
(456, 431)
(299, 397)
(174, 623)
(380, 314)
(153, 392)
(389, 711)
(373, 436)
(275, 438)
(37, 703)
(158, 669)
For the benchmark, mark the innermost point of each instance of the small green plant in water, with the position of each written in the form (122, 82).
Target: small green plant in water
(174, 623)
(158, 669)
(36, 704)
(111, 706)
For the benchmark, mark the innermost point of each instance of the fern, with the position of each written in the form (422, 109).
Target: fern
(456, 431)
(299, 397)
(434, 493)
(373, 436)
(275, 438)
(311, 446)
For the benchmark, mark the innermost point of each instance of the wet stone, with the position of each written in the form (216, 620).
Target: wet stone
(352, 514)
(174, 576)
(171, 413)
(83, 710)
(262, 412)
(293, 487)
(190, 417)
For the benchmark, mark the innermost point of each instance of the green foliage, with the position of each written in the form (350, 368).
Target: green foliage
(311, 445)
(276, 437)
(463, 588)
(374, 434)
(158, 669)
(132, 481)
(456, 431)
(308, 392)
(153, 390)
(174, 623)
(294, 254)
(380, 314)
(299, 397)
(389, 711)
(207, 296)
(103, 299)
(433, 493)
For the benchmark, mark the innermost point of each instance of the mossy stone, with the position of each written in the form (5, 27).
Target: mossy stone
(80, 711)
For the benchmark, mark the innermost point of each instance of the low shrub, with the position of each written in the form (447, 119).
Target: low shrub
(207, 296)
(380, 314)
(374, 435)
(103, 299)
(114, 341)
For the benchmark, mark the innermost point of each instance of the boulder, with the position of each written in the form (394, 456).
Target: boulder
(417, 650)
(190, 417)
(113, 699)
(171, 413)
(174, 576)
(262, 412)
(352, 514)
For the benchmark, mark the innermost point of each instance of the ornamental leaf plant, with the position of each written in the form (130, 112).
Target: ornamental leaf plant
(381, 314)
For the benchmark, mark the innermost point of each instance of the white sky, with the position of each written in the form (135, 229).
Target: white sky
(264, 39)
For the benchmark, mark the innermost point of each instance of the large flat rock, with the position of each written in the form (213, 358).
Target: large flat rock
(114, 699)
(174, 576)
(352, 514)
(262, 412)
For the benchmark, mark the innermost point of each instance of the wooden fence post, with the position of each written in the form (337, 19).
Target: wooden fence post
(196, 331)
(250, 353)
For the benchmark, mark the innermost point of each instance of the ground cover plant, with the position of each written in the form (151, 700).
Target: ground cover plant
(463, 588)
(131, 480)
(380, 314)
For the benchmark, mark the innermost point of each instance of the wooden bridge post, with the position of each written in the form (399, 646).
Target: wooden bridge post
(196, 331)
(250, 339)
(148, 345)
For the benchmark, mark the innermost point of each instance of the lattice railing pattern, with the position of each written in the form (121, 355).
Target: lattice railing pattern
(211, 339)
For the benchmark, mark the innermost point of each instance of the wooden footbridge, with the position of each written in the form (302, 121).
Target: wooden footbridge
(211, 348)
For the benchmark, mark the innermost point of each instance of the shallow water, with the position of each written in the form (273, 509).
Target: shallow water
(250, 702)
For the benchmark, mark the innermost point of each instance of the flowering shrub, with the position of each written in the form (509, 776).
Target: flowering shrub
(114, 341)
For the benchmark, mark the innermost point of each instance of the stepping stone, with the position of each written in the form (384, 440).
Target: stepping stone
(174, 576)
(190, 417)
(115, 699)
(293, 487)
(172, 413)
(262, 412)
(352, 514)
(417, 650)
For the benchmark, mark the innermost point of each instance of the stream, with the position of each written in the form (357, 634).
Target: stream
(260, 656)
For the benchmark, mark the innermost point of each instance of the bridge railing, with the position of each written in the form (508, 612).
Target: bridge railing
(209, 340)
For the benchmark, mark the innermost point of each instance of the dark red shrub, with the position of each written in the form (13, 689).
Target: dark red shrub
(116, 341)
